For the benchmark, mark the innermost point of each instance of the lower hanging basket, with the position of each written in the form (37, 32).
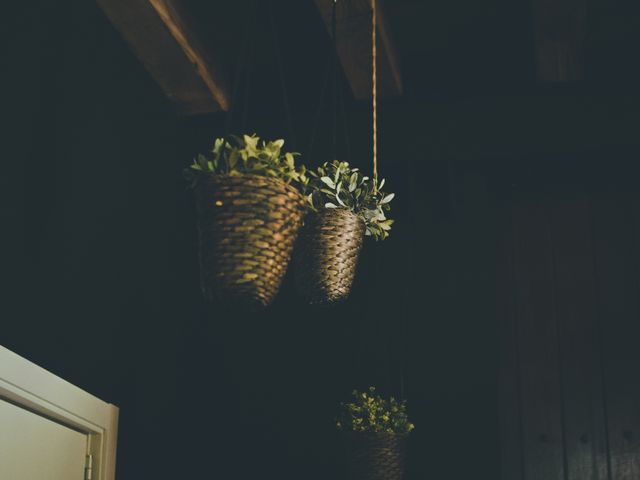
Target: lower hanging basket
(247, 226)
(327, 255)
(376, 456)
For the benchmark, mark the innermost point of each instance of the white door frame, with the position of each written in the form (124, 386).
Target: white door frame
(29, 386)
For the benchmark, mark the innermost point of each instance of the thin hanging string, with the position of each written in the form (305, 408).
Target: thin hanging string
(241, 63)
(409, 273)
(345, 123)
(323, 91)
(283, 84)
(334, 66)
(374, 93)
(249, 66)
(331, 75)
(341, 108)
(374, 100)
(247, 87)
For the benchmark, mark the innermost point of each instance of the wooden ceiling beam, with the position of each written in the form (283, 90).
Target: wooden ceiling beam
(353, 31)
(162, 39)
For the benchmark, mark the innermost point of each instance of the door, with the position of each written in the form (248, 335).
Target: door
(34, 447)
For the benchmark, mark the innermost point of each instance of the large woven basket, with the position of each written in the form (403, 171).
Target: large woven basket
(327, 255)
(247, 227)
(376, 456)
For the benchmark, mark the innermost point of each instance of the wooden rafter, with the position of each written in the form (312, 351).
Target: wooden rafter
(161, 37)
(353, 31)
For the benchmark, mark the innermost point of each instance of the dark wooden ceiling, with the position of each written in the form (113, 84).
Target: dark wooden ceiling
(444, 48)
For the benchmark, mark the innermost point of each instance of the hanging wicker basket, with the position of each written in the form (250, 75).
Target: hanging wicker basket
(376, 456)
(327, 255)
(247, 226)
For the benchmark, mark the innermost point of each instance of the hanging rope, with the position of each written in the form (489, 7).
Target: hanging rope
(244, 74)
(250, 59)
(345, 123)
(340, 91)
(334, 22)
(241, 64)
(374, 88)
(283, 83)
(323, 90)
(334, 103)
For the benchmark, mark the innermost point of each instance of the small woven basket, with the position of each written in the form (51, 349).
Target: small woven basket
(376, 456)
(327, 255)
(247, 226)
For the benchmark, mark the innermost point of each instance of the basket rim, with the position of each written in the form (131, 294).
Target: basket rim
(374, 434)
(208, 177)
(339, 210)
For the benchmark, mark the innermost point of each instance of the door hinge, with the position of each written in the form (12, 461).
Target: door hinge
(88, 467)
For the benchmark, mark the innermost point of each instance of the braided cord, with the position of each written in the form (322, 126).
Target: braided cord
(374, 88)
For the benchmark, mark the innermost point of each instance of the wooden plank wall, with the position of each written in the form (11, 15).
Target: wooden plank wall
(569, 312)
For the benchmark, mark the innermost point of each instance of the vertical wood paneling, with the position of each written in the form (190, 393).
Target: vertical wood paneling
(538, 344)
(617, 276)
(631, 435)
(574, 285)
(569, 298)
(511, 461)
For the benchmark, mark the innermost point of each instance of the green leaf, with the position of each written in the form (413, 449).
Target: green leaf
(289, 159)
(233, 160)
(328, 182)
(217, 144)
(202, 161)
(340, 186)
(353, 182)
(250, 141)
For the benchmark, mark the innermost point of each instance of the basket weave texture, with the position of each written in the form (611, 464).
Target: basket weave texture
(327, 255)
(376, 456)
(247, 226)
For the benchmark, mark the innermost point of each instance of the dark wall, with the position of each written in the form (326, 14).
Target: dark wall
(102, 274)
(569, 321)
(96, 286)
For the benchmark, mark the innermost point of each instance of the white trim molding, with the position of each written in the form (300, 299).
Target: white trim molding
(32, 387)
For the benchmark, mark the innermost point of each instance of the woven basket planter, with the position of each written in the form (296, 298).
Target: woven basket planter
(376, 456)
(327, 255)
(247, 226)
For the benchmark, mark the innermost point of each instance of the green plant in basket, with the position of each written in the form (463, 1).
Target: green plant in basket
(337, 185)
(369, 412)
(249, 155)
(250, 204)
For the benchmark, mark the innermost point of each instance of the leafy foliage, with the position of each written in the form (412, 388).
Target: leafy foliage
(371, 413)
(337, 185)
(249, 155)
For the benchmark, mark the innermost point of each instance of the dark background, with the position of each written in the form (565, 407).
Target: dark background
(100, 248)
